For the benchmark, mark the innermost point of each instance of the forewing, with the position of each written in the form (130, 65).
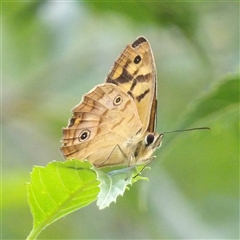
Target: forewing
(135, 73)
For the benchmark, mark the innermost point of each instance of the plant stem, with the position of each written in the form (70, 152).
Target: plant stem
(33, 234)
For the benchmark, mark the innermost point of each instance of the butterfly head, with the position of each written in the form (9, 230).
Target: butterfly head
(153, 140)
(147, 146)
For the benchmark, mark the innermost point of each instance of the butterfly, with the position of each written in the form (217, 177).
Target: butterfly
(114, 124)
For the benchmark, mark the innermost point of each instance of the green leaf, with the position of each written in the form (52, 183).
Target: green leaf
(63, 187)
(115, 183)
(59, 189)
(220, 98)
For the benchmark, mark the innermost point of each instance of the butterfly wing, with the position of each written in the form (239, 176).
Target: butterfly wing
(101, 127)
(135, 73)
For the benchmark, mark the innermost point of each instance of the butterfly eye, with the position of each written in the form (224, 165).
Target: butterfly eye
(137, 59)
(117, 100)
(149, 139)
(85, 134)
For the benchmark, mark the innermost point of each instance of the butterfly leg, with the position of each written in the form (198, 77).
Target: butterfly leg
(148, 161)
(131, 161)
(109, 156)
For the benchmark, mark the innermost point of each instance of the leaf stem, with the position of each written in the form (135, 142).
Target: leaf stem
(34, 233)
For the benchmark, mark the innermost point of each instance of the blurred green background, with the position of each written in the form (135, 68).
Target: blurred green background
(54, 52)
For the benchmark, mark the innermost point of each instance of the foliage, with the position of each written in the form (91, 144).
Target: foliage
(63, 187)
(221, 97)
(54, 52)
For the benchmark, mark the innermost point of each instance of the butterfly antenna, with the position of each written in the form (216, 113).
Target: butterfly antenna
(188, 129)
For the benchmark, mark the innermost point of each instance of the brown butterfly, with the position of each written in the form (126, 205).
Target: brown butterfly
(114, 124)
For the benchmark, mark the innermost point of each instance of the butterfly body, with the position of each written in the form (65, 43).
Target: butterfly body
(114, 124)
